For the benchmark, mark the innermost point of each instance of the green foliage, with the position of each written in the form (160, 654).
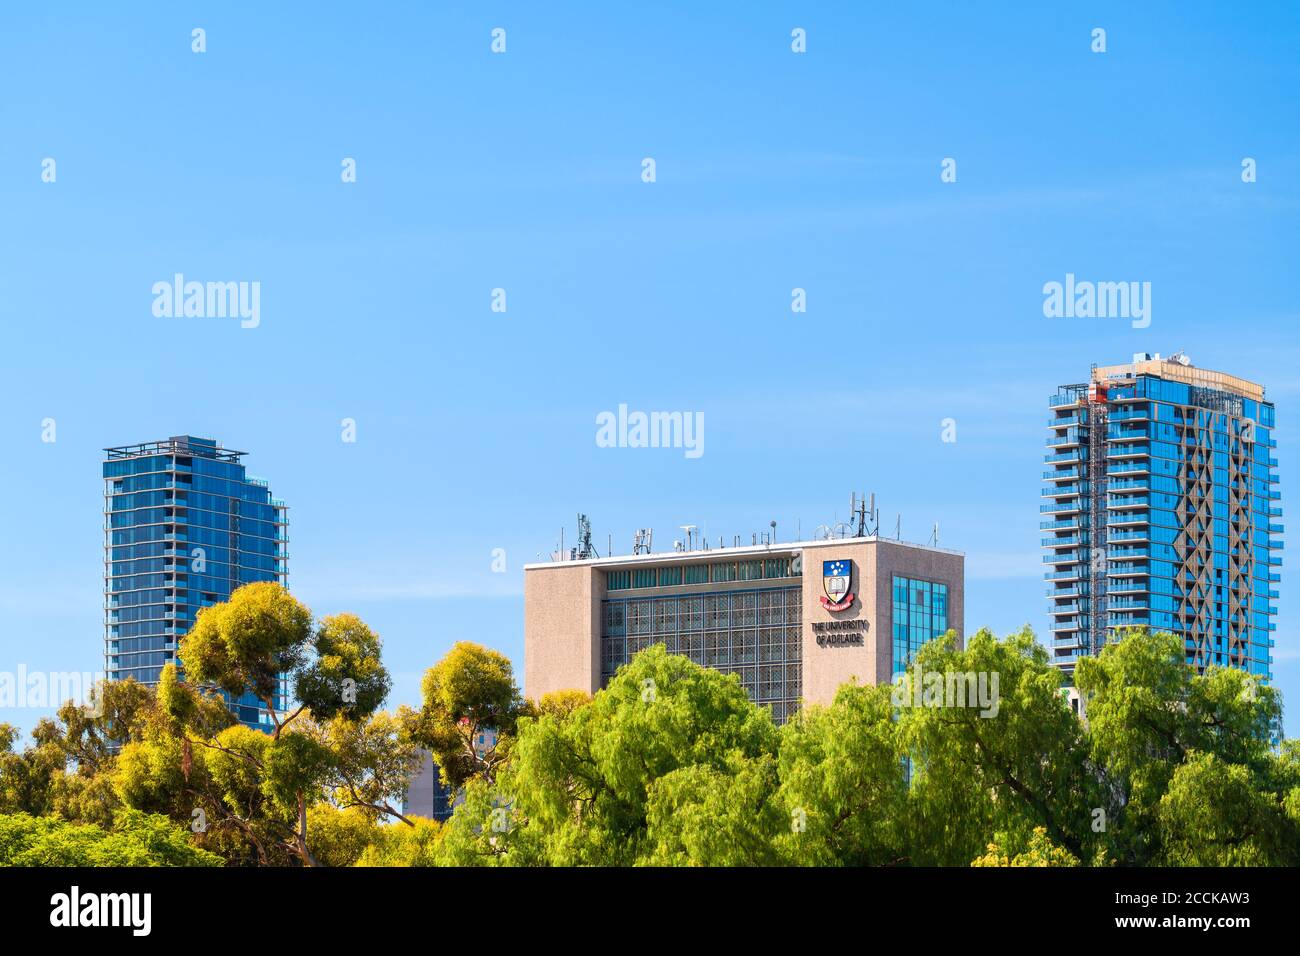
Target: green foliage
(339, 837)
(346, 650)
(395, 845)
(372, 760)
(249, 641)
(670, 764)
(561, 703)
(700, 815)
(136, 839)
(1039, 851)
(1005, 769)
(470, 690)
(1190, 775)
(843, 783)
(586, 779)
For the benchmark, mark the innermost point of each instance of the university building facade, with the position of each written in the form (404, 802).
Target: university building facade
(792, 621)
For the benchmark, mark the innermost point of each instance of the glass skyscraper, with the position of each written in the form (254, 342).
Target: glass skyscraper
(1162, 509)
(184, 526)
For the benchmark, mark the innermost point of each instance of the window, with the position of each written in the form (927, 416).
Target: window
(725, 571)
(776, 568)
(754, 634)
(697, 574)
(670, 576)
(920, 615)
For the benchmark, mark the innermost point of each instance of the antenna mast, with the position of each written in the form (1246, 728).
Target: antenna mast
(865, 515)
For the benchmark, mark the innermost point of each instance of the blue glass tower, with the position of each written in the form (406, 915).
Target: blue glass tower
(1163, 509)
(184, 526)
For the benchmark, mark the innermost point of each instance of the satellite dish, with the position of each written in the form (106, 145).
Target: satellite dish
(822, 533)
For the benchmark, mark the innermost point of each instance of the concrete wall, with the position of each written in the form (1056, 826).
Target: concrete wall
(562, 628)
(827, 666)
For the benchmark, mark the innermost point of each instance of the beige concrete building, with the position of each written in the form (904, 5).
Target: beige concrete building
(794, 621)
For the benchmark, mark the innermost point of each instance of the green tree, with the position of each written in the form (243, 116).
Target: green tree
(470, 691)
(340, 837)
(581, 787)
(1013, 766)
(261, 786)
(1163, 737)
(843, 783)
(416, 845)
(136, 839)
(1039, 851)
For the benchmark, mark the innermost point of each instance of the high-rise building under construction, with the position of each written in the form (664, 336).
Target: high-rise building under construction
(1162, 508)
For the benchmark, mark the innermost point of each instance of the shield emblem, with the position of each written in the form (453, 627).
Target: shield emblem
(836, 578)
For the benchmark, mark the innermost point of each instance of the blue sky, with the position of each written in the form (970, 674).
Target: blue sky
(521, 171)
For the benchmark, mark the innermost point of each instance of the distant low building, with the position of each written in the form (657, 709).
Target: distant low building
(425, 794)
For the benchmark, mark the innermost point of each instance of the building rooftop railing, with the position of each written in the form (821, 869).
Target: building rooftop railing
(174, 446)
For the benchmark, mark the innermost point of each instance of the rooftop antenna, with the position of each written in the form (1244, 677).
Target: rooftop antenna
(585, 550)
(773, 524)
(865, 514)
(642, 541)
(690, 535)
(898, 528)
(934, 536)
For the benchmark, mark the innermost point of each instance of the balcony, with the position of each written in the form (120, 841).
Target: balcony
(1074, 435)
(1061, 525)
(1134, 466)
(1128, 451)
(1077, 454)
(1126, 586)
(1079, 623)
(1128, 620)
(1075, 573)
(1064, 557)
(1119, 519)
(1125, 603)
(1063, 491)
(1116, 502)
(1062, 507)
(1075, 418)
(1063, 474)
(1134, 484)
(1063, 541)
(1128, 553)
(1130, 414)
(1127, 434)
(1059, 609)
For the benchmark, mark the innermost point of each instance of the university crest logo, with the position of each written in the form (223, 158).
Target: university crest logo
(837, 582)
